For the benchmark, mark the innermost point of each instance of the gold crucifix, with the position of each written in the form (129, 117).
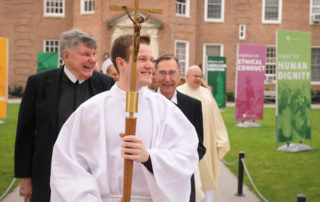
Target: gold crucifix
(132, 95)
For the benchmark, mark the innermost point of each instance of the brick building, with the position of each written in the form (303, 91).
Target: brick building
(191, 29)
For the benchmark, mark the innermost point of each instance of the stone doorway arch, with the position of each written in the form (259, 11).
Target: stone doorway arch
(123, 25)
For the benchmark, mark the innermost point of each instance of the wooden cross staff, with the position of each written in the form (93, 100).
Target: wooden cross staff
(132, 95)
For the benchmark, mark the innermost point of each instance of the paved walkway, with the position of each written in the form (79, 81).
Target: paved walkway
(227, 188)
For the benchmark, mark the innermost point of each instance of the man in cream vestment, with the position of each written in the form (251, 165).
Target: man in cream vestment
(87, 163)
(215, 135)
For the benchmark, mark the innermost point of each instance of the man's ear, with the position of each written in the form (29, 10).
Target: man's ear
(120, 64)
(187, 76)
(180, 72)
(65, 55)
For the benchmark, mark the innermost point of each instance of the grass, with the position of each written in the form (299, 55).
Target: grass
(279, 176)
(7, 141)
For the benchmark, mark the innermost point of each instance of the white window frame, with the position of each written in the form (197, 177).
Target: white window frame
(311, 13)
(55, 15)
(204, 56)
(187, 14)
(242, 32)
(271, 78)
(314, 82)
(82, 7)
(221, 19)
(265, 21)
(56, 47)
(186, 60)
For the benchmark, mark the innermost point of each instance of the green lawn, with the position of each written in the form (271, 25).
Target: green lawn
(279, 176)
(7, 140)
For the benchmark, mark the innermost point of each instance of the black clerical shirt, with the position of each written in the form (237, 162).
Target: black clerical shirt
(71, 96)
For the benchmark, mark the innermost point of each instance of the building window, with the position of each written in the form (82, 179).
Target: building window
(210, 50)
(270, 72)
(182, 53)
(214, 10)
(272, 11)
(182, 8)
(50, 45)
(315, 11)
(87, 6)
(315, 64)
(54, 8)
(242, 32)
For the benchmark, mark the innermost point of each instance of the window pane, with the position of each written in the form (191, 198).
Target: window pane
(315, 67)
(181, 7)
(213, 50)
(271, 9)
(181, 48)
(270, 72)
(316, 2)
(214, 1)
(214, 9)
(316, 10)
(54, 6)
(92, 6)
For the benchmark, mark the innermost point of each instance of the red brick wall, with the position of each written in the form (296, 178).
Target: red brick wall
(26, 29)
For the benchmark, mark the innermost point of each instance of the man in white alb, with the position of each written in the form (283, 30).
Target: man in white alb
(87, 163)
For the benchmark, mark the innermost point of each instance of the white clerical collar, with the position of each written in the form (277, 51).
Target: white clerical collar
(122, 94)
(174, 98)
(193, 89)
(72, 78)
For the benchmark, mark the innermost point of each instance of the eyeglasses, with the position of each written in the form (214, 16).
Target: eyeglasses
(163, 74)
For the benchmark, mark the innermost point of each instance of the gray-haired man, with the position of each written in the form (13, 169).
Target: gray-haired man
(49, 99)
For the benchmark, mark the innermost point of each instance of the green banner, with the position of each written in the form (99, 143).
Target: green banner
(47, 60)
(217, 78)
(293, 85)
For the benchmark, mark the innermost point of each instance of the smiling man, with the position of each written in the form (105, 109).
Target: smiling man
(87, 162)
(49, 99)
(168, 74)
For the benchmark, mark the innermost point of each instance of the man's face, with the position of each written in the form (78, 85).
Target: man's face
(194, 78)
(80, 61)
(113, 73)
(167, 76)
(144, 66)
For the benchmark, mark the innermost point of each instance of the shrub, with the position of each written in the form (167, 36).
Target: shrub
(315, 96)
(230, 96)
(17, 91)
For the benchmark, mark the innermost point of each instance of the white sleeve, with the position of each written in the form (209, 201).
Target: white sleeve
(70, 177)
(175, 158)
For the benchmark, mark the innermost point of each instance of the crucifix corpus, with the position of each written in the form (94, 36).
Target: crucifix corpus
(132, 95)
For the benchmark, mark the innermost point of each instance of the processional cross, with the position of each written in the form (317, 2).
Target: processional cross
(132, 95)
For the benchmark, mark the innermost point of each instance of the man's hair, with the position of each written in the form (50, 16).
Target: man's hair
(72, 38)
(193, 67)
(109, 68)
(121, 47)
(166, 57)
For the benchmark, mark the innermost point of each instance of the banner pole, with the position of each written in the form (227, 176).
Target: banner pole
(277, 139)
(235, 92)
